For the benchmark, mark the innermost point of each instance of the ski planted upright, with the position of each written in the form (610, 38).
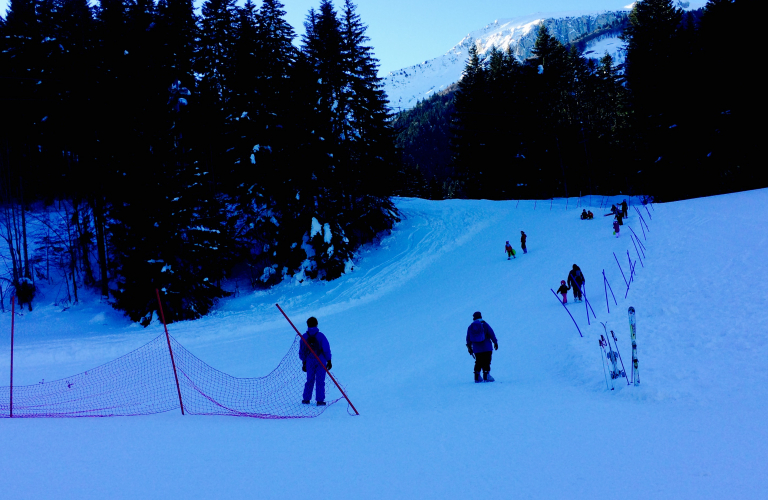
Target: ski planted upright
(613, 356)
(633, 333)
(616, 343)
(606, 357)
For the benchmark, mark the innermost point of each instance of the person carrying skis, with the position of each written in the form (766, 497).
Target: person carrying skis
(479, 338)
(624, 208)
(563, 290)
(523, 239)
(576, 281)
(616, 228)
(510, 251)
(614, 209)
(315, 371)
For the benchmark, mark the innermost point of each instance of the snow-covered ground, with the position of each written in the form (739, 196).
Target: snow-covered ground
(613, 45)
(547, 428)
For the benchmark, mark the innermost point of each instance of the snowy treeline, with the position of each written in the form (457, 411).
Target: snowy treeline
(676, 119)
(179, 149)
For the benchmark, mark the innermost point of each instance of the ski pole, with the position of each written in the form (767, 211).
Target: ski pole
(605, 375)
(616, 343)
(636, 250)
(620, 269)
(643, 220)
(586, 301)
(569, 312)
(642, 247)
(605, 282)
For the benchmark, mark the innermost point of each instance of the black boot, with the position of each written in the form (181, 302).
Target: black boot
(477, 378)
(487, 377)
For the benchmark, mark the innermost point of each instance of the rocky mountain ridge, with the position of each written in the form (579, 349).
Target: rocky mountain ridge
(405, 87)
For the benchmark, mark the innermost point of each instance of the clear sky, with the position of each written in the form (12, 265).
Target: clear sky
(407, 32)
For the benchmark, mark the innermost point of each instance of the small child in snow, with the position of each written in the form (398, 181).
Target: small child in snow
(616, 228)
(590, 215)
(510, 251)
(563, 290)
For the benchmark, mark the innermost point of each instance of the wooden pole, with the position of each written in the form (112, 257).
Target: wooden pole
(13, 318)
(318, 359)
(168, 338)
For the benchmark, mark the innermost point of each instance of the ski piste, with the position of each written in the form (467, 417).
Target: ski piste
(633, 333)
(604, 355)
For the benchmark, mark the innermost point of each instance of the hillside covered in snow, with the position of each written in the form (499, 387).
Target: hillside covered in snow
(407, 86)
(547, 428)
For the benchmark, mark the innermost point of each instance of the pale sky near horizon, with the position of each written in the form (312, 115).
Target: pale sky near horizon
(407, 32)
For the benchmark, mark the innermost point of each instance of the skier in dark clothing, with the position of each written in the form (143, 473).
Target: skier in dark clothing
(315, 371)
(563, 290)
(624, 208)
(523, 239)
(576, 281)
(584, 214)
(614, 209)
(619, 217)
(479, 338)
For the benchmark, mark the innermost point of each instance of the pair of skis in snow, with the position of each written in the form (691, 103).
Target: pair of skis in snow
(613, 357)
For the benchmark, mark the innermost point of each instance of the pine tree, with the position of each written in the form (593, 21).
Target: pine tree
(650, 37)
(467, 142)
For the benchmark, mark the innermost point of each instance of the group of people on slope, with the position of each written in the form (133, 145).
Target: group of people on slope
(576, 282)
(587, 214)
(511, 251)
(619, 214)
(315, 350)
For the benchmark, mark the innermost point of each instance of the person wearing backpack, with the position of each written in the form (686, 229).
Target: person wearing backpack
(576, 280)
(479, 338)
(315, 371)
(510, 251)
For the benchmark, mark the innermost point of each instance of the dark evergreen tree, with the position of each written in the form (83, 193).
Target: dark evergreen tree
(467, 142)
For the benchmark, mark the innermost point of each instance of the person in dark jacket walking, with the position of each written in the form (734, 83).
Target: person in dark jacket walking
(479, 338)
(619, 217)
(624, 208)
(315, 370)
(576, 281)
(523, 239)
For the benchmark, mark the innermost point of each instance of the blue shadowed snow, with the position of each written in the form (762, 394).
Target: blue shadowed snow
(547, 428)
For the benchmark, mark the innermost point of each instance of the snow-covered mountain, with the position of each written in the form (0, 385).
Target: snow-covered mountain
(407, 86)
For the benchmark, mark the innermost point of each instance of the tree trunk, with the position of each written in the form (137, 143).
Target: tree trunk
(27, 272)
(101, 244)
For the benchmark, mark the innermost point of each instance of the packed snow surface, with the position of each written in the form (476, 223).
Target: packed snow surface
(547, 428)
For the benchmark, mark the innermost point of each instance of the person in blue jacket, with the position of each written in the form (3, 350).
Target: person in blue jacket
(315, 371)
(479, 338)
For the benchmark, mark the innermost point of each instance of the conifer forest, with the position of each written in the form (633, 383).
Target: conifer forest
(156, 147)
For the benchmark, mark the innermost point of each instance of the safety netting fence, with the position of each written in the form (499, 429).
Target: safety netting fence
(142, 382)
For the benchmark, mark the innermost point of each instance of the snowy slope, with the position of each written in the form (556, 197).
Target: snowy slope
(695, 428)
(613, 45)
